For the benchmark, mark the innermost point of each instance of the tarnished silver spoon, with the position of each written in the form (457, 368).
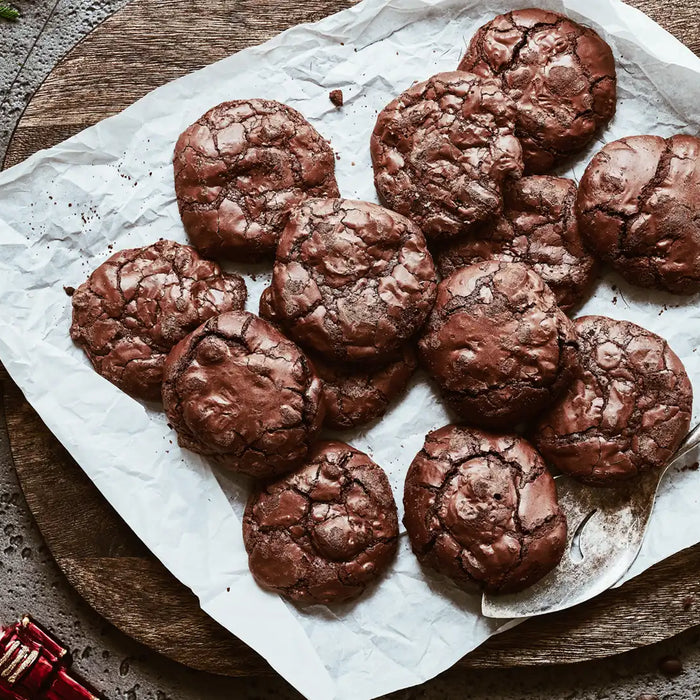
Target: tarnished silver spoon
(606, 528)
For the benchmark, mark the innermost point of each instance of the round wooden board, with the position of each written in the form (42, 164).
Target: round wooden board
(145, 45)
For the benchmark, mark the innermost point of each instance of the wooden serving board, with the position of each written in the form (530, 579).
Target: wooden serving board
(144, 45)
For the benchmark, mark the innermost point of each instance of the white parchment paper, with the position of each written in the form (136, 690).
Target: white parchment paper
(113, 184)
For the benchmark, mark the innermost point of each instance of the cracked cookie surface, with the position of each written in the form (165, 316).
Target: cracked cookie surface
(240, 168)
(352, 281)
(140, 302)
(560, 74)
(628, 409)
(482, 509)
(241, 393)
(355, 395)
(325, 532)
(639, 210)
(497, 344)
(538, 227)
(442, 150)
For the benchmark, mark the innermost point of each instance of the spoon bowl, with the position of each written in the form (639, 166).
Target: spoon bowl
(606, 529)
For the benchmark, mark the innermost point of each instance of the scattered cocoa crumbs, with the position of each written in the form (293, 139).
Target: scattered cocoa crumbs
(69, 291)
(336, 97)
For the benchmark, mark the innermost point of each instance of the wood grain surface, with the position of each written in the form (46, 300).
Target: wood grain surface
(139, 48)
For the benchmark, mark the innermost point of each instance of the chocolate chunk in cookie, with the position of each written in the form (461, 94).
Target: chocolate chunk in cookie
(352, 281)
(538, 227)
(325, 532)
(626, 412)
(560, 74)
(482, 509)
(639, 210)
(238, 391)
(442, 150)
(240, 168)
(140, 302)
(497, 344)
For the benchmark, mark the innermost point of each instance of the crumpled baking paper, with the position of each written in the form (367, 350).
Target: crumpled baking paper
(113, 184)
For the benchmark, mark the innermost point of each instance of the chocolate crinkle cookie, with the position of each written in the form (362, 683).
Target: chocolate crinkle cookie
(352, 281)
(538, 227)
(560, 74)
(139, 303)
(627, 411)
(497, 344)
(354, 395)
(240, 168)
(639, 210)
(325, 532)
(442, 150)
(482, 509)
(241, 393)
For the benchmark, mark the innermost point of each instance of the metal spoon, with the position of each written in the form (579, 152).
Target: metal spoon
(606, 528)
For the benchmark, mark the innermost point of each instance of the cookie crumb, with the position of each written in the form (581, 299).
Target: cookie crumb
(670, 666)
(336, 97)
(70, 291)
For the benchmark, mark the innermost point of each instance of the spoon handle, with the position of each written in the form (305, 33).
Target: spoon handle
(690, 441)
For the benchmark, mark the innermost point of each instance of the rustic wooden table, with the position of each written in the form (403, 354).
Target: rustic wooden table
(145, 45)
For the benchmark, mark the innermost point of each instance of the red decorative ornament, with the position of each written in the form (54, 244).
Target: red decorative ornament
(34, 666)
